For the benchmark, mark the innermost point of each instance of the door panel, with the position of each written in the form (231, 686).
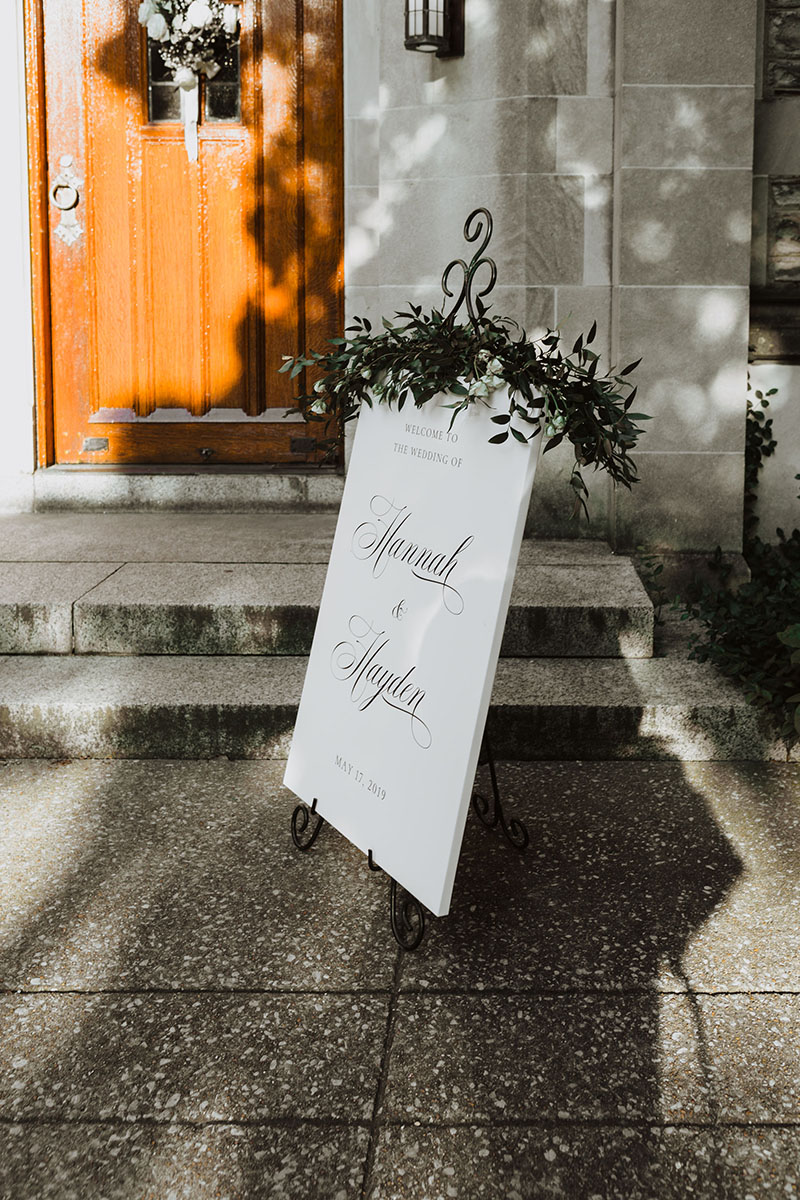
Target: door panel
(187, 283)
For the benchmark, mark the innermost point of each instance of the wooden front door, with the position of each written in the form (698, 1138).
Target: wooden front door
(175, 287)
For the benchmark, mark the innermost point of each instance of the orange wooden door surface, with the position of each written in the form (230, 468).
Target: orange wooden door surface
(179, 285)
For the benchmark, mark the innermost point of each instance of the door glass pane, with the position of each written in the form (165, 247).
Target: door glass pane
(163, 101)
(223, 93)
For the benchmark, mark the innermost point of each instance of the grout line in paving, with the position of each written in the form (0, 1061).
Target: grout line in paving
(380, 1091)
(190, 991)
(294, 1122)
(184, 1123)
(579, 993)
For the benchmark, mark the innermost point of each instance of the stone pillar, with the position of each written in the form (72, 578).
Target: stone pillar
(682, 204)
(17, 450)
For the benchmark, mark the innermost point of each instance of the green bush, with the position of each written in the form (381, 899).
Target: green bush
(752, 634)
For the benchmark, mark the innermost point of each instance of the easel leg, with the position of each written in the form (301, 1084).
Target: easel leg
(300, 821)
(406, 916)
(491, 811)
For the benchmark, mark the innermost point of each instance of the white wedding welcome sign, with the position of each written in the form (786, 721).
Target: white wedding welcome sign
(408, 635)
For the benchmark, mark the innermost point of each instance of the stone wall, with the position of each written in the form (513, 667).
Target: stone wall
(613, 144)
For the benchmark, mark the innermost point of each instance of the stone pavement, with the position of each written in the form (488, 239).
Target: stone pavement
(189, 1008)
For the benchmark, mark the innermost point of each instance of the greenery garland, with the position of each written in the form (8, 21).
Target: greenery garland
(563, 396)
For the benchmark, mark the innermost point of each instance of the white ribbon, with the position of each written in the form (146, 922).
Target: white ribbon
(190, 111)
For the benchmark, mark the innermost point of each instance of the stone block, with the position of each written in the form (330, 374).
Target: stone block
(363, 219)
(201, 608)
(427, 222)
(361, 153)
(692, 378)
(783, 32)
(600, 38)
(556, 48)
(689, 41)
(585, 135)
(777, 138)
(689, 501)
(36, 603)
(597, 610)
(687, 127)
(554, 229)
(478, 137)
(685, 227)
(597, 230)
(577, 308)
(552, 508)
(361, 58)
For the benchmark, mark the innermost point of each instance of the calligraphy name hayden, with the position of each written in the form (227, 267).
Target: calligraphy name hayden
(380, 540)
(357, 661)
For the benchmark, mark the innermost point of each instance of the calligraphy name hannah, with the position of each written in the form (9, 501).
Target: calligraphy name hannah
(381, 540)
(357, 662)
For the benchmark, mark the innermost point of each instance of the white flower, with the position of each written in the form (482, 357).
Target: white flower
(209, 69)
(185, 78)
(478, 387)
(177, 22)
(147, 9)
(319, 406)
(157, 28)
(199, 14)
(230, 19)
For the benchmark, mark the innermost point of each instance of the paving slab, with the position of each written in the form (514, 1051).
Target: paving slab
(179, 706)
(152, 875)
(668, 1058)
(36, 603)
(473, 1058)
(667, 876)
(83, 1161)
(191, 1057)
(597, 609)
(584, 1163)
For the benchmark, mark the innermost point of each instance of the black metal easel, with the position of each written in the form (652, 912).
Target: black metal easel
(406, 913)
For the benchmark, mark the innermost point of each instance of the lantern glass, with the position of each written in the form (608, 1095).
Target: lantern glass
(427, 26)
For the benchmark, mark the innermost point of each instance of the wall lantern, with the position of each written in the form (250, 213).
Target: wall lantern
(435, 27)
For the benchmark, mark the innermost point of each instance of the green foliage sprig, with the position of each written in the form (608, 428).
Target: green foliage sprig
(562, 395)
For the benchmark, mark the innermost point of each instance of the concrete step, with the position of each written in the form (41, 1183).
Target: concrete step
(591, 605)
(244, 707)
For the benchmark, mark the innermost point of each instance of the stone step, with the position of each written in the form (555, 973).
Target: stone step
(592, 606)
(244, 707)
